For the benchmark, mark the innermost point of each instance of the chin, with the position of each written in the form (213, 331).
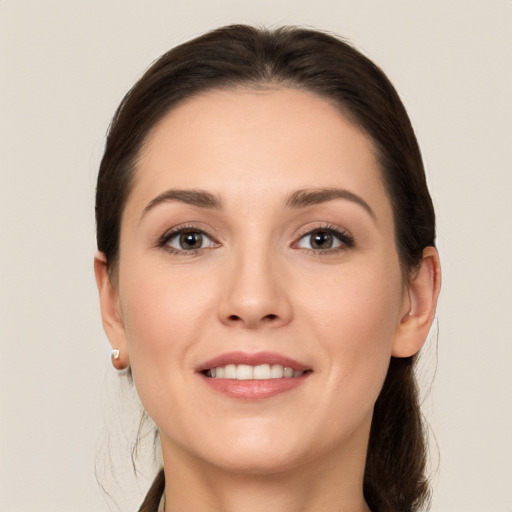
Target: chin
(257, 461)
(245, 448)
(260, 450)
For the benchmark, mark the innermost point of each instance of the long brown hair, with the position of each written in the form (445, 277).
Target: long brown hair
(245, 56)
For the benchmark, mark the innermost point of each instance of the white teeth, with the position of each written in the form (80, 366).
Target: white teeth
(276, 371)
(244, 372)
(230, 371)
(259, 372)
(262, 372)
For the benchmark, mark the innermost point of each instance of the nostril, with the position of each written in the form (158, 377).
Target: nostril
(269, 318)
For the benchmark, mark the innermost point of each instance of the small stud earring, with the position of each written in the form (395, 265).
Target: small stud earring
(117, 362)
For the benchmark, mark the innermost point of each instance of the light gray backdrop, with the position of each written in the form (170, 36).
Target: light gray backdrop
(64, 67)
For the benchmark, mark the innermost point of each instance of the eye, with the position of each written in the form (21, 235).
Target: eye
(324, 240)
(187, 240)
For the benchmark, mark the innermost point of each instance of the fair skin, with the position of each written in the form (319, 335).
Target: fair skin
(317, 281)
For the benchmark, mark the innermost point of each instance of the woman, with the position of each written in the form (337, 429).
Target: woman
(267, 271)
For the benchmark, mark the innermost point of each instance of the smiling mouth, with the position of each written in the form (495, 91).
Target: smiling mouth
(256, 376)
(249, 372)
(253, 376)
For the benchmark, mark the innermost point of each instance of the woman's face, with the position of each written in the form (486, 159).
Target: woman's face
(258, 236)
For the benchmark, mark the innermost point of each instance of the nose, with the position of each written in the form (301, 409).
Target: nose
(254, 293)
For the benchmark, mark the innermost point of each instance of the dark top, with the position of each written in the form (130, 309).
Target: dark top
(153, 498)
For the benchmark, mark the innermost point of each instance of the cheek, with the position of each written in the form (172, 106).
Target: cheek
(162, 316)
(158, 307)
(154, 318)
(363, 300)
(355, 324)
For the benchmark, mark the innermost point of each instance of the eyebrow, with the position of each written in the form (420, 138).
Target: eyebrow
(194, 197)
(308, 197)
(298, 199)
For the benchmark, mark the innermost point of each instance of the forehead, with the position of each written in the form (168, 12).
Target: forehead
(257, 143)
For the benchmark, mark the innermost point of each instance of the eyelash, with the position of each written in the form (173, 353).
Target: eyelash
(173, 233)
(346, 240)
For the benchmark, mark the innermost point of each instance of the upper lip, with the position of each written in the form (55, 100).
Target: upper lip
(252, 359)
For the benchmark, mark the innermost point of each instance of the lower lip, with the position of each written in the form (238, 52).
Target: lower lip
(254, 389)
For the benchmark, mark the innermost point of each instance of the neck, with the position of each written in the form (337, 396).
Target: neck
(333, 484)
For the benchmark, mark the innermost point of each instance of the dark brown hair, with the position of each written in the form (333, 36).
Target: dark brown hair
(243, 56)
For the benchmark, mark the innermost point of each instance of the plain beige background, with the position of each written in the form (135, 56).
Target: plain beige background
(64, 67)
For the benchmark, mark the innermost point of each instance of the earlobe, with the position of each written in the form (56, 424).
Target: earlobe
(423, 291)
(111, 312)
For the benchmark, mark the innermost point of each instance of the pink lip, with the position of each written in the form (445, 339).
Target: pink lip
(253, 389)
(252, 360)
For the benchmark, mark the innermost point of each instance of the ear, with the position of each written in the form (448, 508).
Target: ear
(420, 305)
(111, 312)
